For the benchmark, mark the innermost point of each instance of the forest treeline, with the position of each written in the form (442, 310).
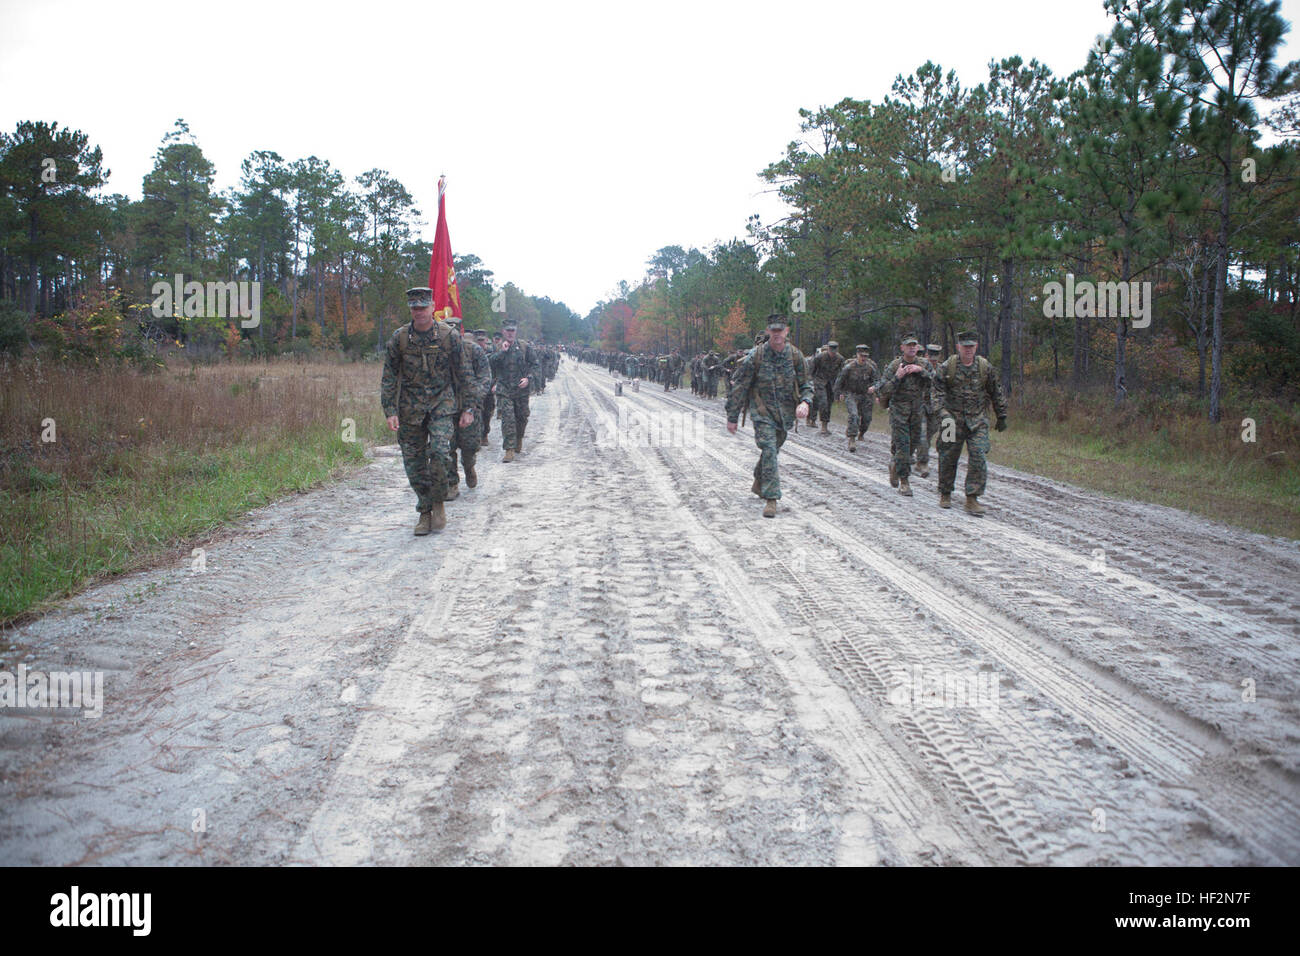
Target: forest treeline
(1166, 165)
(333, 256)
(944, 206)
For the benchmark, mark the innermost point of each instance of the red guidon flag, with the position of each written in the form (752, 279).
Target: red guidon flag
(442, 274)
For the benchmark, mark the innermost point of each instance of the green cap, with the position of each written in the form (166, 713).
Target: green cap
(910, 340)
(832, 344)
(419, 297)
(967, 338)
(863, 348)
(934, 349)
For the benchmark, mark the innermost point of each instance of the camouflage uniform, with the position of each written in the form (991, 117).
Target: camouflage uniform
(906, 399)
(962, 394)
(509, 366)
(468, 437)
(825, 367)
(436, 386)
(489, 399)
(931, 410)
(853, 382)
(780, 384)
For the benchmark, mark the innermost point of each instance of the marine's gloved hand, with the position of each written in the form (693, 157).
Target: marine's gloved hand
(1002, 424)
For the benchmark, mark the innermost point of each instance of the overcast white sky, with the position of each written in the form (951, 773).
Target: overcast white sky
(576, 138)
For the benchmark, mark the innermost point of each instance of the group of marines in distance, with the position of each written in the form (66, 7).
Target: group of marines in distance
(929, 399)
(441, 386)
(439, 390)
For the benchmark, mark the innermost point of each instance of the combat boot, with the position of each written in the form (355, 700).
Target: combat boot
(756, 489)
(853, 444)
(509, 455)
(893, 475)
(825, 430)
(904, 488)
(923, 470)
(769, 509)
(422, 526)
(438, 517)
(945, 500)
(471, 476)
(453, 492)
(973, 506)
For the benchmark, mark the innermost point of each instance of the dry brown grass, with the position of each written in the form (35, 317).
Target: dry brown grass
(144, 460)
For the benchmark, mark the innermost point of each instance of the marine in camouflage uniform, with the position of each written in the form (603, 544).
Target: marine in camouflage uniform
(933, 355)
(426, 385)
(489, 400)
(467, 438)
(856, 378)
(772, 380)
(906, 396)
(513, 363)
(964, 386)
(826, 365)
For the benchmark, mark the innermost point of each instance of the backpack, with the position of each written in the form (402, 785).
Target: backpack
(795, 356)
(403, 343)
(950, 366)
(884, 402)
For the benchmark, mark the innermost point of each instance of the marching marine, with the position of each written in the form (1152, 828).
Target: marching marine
(903, 389)
(826, 365)
(964, 387)
(514, 366)
(853, 386)
(772, 384)
(426, 390)
(467, 437)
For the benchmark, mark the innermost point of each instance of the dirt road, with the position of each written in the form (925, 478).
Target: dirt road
(609, 657)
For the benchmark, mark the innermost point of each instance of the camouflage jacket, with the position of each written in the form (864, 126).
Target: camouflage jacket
(826, 366)
(855, 379)
(965, 391)
(482, 368)
(509, 365)
(435, 372)
(909, 392)
(781, 382)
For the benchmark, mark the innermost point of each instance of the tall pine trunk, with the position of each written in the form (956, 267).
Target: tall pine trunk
(1220, 286)
(1004, 319)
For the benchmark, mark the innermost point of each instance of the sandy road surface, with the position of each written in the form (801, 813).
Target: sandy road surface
(610, 657)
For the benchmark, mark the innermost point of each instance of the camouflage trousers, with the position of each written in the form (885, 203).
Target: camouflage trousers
(823, 398)
(465, 439)
(977, 467)
(489, 406)
(426, 455)
(931, 428)
(512, 409)
(860, 407)
(905, 429)
(769, 436)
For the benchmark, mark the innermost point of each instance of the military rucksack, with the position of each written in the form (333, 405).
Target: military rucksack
(795, 356)
(884, 402)
(949, 367)
(443, 341)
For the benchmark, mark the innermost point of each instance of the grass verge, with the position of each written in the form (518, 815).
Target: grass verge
(140, 464)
